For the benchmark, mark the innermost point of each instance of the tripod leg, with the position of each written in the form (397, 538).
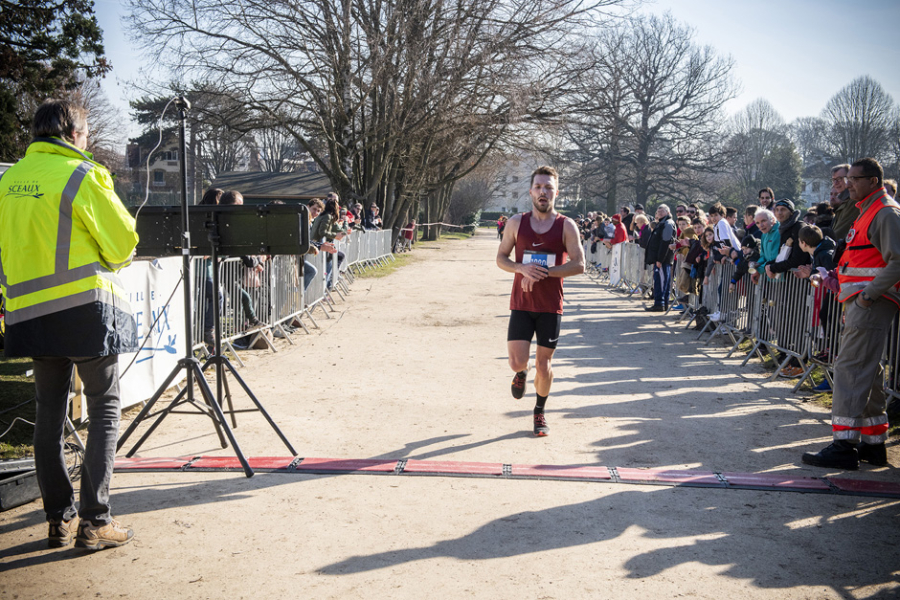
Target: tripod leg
(259, 405)
(147, 407)
(213, 361)
(162, 415)
(230, 402)
(207, 393)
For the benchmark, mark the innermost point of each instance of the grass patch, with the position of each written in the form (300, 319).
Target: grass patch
(400, 260)
(455, 235)
(746, 346)
(404, 258)
(16, 400)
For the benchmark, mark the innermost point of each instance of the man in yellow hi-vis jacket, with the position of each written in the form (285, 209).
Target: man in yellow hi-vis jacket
(63, 234)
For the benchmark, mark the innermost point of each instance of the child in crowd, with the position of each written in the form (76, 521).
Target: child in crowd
(708, 242)
(750, 227)
(695, 261)
(749, 254)
(682, 246)
(819, 247)
(727, 243)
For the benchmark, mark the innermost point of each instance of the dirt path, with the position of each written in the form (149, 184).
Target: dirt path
(415, 367)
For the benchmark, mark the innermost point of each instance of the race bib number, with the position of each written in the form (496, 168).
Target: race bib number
(544, 260)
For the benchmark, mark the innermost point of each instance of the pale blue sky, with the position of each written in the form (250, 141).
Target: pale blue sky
(797, 53)
(794, 53)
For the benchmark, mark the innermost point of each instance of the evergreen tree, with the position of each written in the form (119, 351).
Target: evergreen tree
(43, 44)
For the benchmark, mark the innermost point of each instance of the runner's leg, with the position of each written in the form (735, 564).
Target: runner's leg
(543, 373)
(518, 354)
(519, 334)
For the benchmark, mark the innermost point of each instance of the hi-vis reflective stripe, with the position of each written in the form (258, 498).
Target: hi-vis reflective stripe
(45, 308)
(48, 281)
(866, 422)
(862, 271)
(64, 229)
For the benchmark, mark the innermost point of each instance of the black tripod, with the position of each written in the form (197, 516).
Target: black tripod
(211, 405)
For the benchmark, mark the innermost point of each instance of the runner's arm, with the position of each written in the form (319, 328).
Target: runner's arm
(575, 265)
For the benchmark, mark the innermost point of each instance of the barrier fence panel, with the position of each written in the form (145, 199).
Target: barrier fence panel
(825, 328)
(352, 246)
(720, 304)
(740, 306)
(597, 261)
(891, 362)
(709, 301)
(385, 245)
(287, 282)
(604, 257)
(632, 266)
(792, 316)
(248, 302)
(371, 249)
(315, 293)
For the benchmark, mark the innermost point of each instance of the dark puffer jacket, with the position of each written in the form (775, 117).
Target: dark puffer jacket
(658, 250)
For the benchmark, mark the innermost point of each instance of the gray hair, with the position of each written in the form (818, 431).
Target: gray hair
(665, 207)
(768, 214)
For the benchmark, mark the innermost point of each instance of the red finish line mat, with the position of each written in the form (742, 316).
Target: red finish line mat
(663, 477)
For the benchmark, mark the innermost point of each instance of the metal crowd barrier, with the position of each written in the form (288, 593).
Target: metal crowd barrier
(597, 262)
(275, 296)
(785, 315)
(891, 362)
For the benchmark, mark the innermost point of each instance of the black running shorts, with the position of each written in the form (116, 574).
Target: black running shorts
(523, 325)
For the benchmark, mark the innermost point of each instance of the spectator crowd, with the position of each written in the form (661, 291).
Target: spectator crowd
(767, 240)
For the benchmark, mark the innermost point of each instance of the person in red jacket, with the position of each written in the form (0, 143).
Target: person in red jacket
(620, 235)
(869, 275)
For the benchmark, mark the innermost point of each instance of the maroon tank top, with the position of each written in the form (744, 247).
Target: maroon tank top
(549, 250)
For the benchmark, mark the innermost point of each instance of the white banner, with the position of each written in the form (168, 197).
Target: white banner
(149, 285)
(615, 267)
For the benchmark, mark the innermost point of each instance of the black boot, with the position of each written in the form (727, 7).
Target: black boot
(874, 454)
(840, 454)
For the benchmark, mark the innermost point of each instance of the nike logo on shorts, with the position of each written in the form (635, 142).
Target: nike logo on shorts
(553, 341)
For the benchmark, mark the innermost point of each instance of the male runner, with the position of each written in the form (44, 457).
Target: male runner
(542, 240)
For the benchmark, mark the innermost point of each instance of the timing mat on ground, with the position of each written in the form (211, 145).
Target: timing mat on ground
(438, 468)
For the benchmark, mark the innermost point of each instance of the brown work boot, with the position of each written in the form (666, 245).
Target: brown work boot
(62, 532)
(97, 537)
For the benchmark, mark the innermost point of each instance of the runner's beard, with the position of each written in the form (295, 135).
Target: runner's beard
(543, 209)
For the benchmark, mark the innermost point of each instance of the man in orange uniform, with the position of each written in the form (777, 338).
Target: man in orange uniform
(869, 272)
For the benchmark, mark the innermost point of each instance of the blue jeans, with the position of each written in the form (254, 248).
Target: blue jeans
(309, 273)
(52, 376)
(662, 283)
(329, 260)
